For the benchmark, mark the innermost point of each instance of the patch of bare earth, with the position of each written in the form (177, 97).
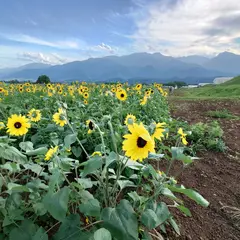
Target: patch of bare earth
(216, 175)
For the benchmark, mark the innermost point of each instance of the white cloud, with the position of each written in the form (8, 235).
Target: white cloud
(63, 44)
(105, 47)
(38, 57)
(188, 27)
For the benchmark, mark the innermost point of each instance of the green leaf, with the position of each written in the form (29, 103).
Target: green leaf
(176, 151)
(121, 221)
(152, 218)
(57, 203)
(112, 157)
(38, 151)
(26, 146)
(185, 210)
(91, 208)
(149, 219)
(70, 139)
(92, 165)
(85, 182)
(174, 225)
(25, 232)
(11, 153)
(136, 198)
(40, 235)
(191, 194)
(77, 151)
(13, 187)
(102, 234)
(11, 167)
(39, 209)
(33, 167)
(70, 229)
(134, 165)
(167, 192)
(125, 183)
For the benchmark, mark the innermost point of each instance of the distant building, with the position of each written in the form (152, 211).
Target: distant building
(203, 84)
(192, 86)
(220, 80)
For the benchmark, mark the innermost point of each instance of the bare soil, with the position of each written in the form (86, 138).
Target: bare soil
(216, 175)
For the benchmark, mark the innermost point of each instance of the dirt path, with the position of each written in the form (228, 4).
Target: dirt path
(216, 176)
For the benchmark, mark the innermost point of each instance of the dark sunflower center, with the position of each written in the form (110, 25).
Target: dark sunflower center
(61, 117)
(122, 95)
(34, 114)
(17, 125)
(90, 125)
(141, 142)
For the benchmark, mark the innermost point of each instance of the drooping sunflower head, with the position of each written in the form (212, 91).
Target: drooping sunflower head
(90, 126)
(2, 125)
(60, 117)
(18, 125)
(97, 153)
(130, 119)
(182, 136)
(158, 130)
(139, 143)
(50, 153)
(144, 101)
(34, 115)
(121, 95)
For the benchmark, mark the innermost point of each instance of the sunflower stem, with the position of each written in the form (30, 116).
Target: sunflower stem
(105, 154)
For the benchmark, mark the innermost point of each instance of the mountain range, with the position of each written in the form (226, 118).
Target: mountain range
(141, 67)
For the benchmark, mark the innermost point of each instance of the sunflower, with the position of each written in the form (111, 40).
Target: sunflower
(60, 91)
(148, 93)
(182, 136)
(50, 153)
(59, 117)
(138, 87)
(113, 89)
(20, 90)
(28, 90)
(159, 130)
(2, 125)
(18, 125)
(121, 95)
(34, 115)
(139, 143)
(130, 119)
(90, 125)
(144, 101)
(1, 90)
(86, 95)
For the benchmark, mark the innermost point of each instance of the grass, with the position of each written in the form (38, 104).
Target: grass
(220, 114)
(228, 90)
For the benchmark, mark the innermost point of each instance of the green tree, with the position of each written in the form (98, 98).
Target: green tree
(43, 79)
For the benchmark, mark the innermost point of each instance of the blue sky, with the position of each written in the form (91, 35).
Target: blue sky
(59, 31)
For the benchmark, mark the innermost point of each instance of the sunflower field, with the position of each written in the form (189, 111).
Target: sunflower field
(90, 161)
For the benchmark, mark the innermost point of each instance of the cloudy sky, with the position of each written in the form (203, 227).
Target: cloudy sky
(59, 31)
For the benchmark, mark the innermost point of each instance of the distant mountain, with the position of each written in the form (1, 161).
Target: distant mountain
(226, 62)
(144, 67)
(14, 71)
(194, 59)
